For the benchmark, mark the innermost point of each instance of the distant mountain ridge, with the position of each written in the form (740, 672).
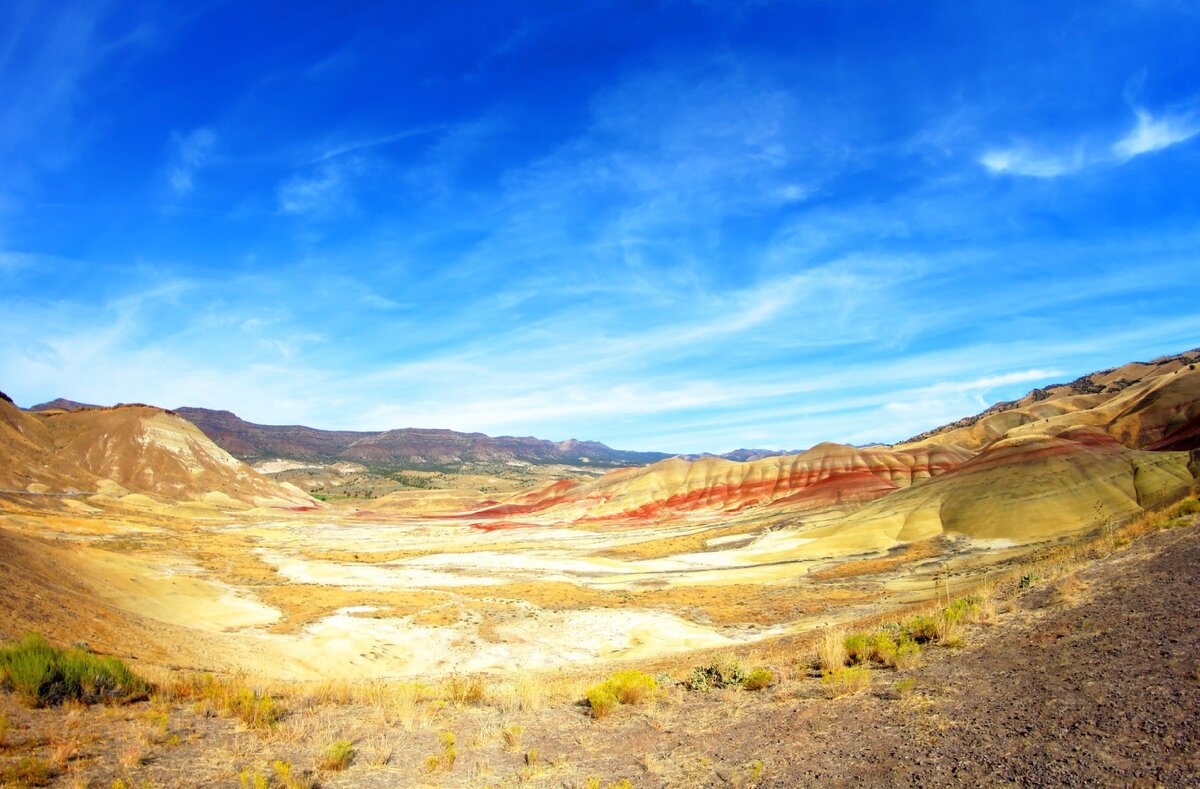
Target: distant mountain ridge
(743, 455)
(406, 446)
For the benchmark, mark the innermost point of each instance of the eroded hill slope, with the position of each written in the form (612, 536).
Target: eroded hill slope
(134, 448)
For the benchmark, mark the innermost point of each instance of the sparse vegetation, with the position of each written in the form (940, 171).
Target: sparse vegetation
(463, 691)
(29, 771)
(846, 680)
(511, 736)
(287, 778)
(724, 672)
(831, 650)
(758, 679)
(338, 756)
(40, 674)
(443, 761)
(256, 709)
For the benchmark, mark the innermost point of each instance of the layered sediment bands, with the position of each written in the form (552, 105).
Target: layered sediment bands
(137, 449)
(825, 475)
(1022, 489)
(1139, 404)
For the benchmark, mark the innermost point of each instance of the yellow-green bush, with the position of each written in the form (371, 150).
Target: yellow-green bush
(41, 674)
(338, 756)
(624, 687)
(846, 680)
(758, 679)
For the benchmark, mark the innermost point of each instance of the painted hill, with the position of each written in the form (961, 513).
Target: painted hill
(408, 446)
(1060, 460)
(1142, 404)
(1021, 489)
(826, 475)
(133, 448)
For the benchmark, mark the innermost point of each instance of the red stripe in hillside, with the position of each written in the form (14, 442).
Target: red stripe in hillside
(504, 525)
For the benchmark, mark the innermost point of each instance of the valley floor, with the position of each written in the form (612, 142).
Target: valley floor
(1091, 677)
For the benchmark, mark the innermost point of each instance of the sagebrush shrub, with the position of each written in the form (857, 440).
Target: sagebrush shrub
(41, 674)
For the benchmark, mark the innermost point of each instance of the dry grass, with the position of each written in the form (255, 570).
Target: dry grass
(380, 751)
(463, 691)
(132, 754)
(1068, 589)
(831, 649)
(65, 745)
(256, 708)
(530, 695)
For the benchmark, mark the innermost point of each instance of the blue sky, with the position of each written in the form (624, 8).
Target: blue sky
(671, 226)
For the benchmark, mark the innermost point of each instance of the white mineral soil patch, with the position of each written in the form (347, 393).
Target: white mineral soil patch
(346, 645)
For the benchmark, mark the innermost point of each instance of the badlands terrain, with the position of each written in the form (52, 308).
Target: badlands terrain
(390, 588)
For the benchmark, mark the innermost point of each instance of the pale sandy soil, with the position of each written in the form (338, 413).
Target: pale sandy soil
(330, 593)
(1087, 677)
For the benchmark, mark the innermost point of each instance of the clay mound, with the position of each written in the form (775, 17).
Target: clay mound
(137, 449)
(1020, 489)
(1138, 404)
(825, 475)
(27, 449)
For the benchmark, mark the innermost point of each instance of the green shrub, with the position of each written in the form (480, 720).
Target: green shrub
(724, 672)
(964, 609)
(758, 679)
(41, 674)
(338, 756)
(921, 628)
(846, 680)
(883, 648)
(1188, 507)
(858, 647)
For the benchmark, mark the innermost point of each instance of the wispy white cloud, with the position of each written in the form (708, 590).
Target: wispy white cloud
(1023, 161)
(1148, 135)
(321, 193)
(334, 150)
(1153, 134)
(192, 151)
